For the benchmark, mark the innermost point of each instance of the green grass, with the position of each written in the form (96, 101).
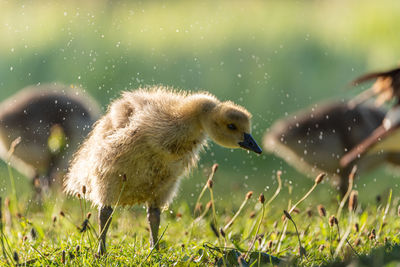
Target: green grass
(40, 235)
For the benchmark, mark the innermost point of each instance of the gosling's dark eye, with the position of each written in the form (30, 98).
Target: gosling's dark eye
(232, 126)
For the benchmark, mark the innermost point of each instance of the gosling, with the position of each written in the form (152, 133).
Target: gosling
(49, 121)
(314, 140)
(148, 139)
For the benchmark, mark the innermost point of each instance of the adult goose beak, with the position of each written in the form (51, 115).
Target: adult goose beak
(250, 144)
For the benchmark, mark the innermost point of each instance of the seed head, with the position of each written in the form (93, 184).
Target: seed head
(259, 239)
(88, 215)
(296, 210)
(261, 198)
(210, 183)
(249, 194)
(54, 219)
(353, 200)
(269, 244)
(321, 248)
(78, 196)
(287, 215)
(62, 214)
(309, 212)
(84, 226)
(356, 227)
(319, 178)
(357, 242)
(321, 210)
(372, 235)
(84, 189)
(124, 179)
(77, 249)
(332, 221)
(252, 215)
(25, 238)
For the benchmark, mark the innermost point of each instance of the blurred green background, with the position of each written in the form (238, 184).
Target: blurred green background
(274, 57)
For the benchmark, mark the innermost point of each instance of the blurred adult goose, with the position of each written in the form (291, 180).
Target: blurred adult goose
(386, 137)
(148, 139)
(385, 88)
(46, 123)
(314, 140)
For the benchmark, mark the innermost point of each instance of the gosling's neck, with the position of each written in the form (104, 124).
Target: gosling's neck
(197, 107)
(188, 135)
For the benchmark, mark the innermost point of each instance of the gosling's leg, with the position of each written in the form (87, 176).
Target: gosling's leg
(104, 223)
(153, 217)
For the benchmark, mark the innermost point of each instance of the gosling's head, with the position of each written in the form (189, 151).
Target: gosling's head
(229, 125)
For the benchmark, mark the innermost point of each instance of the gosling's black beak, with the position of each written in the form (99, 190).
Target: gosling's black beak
(250, 144)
